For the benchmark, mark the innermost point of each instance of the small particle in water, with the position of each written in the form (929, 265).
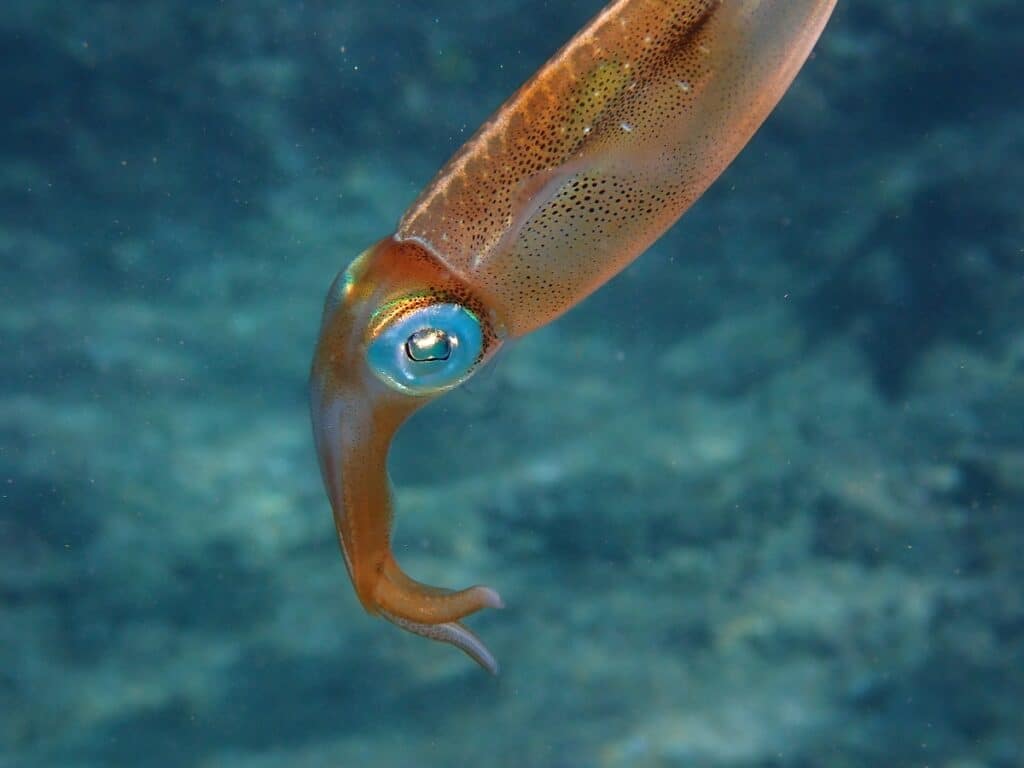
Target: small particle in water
(684, 86)
(626, 127)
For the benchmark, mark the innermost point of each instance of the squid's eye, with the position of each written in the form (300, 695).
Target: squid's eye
(427, 350)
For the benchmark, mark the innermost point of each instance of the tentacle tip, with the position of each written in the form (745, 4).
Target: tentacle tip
(474, 647)
(491, 598)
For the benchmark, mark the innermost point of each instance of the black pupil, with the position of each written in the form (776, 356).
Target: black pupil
(428, 344)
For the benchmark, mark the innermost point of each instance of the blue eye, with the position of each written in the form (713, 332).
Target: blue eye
(427, 350)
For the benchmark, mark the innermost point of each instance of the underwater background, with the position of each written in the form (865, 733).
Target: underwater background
(756, 503)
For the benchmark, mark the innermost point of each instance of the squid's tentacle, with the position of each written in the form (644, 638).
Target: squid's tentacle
(452, 633)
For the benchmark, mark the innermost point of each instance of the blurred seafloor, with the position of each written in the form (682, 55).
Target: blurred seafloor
(756, 503)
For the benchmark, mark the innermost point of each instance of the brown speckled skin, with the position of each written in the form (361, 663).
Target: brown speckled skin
(578, 173)
(607, 145)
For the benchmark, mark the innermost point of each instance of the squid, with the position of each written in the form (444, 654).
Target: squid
(582, 169)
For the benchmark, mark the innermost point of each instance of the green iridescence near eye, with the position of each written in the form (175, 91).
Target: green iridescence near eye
(387, 312)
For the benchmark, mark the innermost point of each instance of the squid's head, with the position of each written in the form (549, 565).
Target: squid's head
(398, 330)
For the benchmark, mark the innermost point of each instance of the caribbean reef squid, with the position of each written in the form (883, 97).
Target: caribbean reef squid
(582, 169)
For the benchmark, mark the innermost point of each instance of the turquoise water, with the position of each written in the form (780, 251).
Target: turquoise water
(757, 503)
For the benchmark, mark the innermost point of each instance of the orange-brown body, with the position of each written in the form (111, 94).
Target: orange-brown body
(574, 177)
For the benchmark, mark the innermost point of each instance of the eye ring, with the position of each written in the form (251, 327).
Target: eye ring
(428, 349)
